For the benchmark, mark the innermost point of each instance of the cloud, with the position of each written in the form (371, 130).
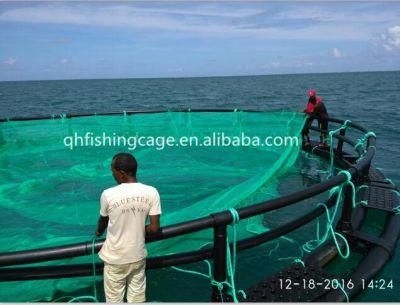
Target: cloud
(346, 13)
(261, 21)
(119, 15)
(391, 39)
(64, 61)
(210, 11)
(299, 63)
(175, 70)
(275, 64)
(336, 53)
(10, 61)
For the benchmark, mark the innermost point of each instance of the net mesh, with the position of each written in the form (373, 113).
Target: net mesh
(49, 193)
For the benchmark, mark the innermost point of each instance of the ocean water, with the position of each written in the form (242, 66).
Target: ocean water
(372, 99)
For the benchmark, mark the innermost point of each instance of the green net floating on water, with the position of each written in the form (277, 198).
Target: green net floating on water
(50, 193)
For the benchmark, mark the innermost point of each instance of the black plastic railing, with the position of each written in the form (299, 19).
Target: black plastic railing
(218, 221)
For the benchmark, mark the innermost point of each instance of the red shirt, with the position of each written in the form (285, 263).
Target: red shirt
(310, 106)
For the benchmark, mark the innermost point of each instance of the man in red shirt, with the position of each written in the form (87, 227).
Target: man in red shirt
(315, 108)
(310, 106)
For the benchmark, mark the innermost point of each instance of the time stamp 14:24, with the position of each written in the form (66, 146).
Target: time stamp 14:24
(311, 284)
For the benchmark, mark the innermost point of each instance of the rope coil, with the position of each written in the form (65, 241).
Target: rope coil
(361, 142)
(313, 244)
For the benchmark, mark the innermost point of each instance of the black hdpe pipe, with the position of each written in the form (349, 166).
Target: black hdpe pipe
(129, 112)
(326, 252)
(371, 265)
(46, 272)
(54, 253)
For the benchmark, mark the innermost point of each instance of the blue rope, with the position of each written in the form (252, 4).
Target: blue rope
(336, 234)
(230, 265)
(389, 180)
(235, 221)
(88, 297)
(313, 244)
(312, 150)
(274, 249)
(299, 261)
(231, 258)
(296, 259)
(361, 142)
(342, 289)
(351, 184)
(219, 285)
(208, 276)
(331, 152)
(361, 187)
(396, 210)
(310, 157)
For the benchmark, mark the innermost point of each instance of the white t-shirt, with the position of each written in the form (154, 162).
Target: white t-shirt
(127, 205)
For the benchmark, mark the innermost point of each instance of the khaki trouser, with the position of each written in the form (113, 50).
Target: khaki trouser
(119, 277)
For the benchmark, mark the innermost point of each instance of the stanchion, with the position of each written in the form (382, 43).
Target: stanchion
(219, 255)
(345, 224)
(339, 147)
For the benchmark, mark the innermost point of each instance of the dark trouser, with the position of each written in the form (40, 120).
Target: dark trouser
(306, 129)
(323, 124)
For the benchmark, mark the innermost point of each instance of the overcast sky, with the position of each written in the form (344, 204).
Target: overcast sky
(70, 40)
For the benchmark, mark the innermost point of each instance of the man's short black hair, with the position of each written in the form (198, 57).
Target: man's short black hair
(125, 162)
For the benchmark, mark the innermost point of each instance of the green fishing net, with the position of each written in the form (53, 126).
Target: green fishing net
(50, 186)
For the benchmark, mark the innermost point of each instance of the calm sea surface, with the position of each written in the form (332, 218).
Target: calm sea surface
(372, 99)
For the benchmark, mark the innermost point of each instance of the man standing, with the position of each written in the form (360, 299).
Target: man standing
(315, 109)
(321, 114)
(124, 210)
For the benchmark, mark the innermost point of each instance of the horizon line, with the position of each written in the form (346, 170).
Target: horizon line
(184, 77)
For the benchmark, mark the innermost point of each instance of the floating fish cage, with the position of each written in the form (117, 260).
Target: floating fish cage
(216, 203)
